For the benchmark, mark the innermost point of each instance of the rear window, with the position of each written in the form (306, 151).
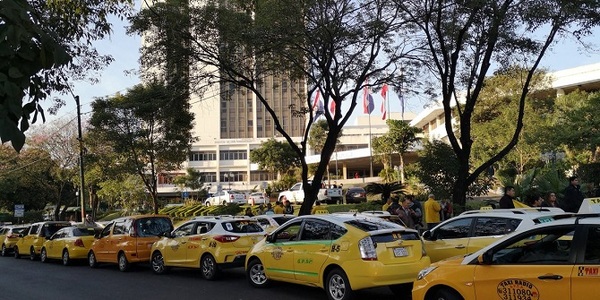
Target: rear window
(244, 226)
(368, 226)
(50, 229)
(153, 226)
(390, 237)
(86, 231)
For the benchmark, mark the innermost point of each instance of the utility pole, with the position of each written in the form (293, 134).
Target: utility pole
(81, 151)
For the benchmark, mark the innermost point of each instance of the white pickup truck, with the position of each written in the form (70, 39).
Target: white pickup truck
(296, 194)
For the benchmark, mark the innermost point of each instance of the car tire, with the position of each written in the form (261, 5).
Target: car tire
(124, 265)
(66, 259)
(4, 250)
(32, 255)
(337, 285)
(403, 290)
(207, 203)
(157, 262)
(446, 294)
(92, 262)
(256, 274)
(44, 256)
(16, 252)
(209, 267)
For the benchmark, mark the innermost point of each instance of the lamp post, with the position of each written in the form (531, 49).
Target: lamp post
(81, 151)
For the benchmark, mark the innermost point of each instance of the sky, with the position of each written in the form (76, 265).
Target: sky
(125, 50)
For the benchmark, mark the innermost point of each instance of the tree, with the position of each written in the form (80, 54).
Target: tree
(402, 137)
(125, 191)
(316, 140)
(383, 149)
(43, 44)
(275, 157)
(384, 189)
(331, 46)
(150, 127)
(467, 38)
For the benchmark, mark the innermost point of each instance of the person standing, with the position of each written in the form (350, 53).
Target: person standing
(447, 210)
(89, 221)
(288, 209)
(249, 212)
(573, 195)
(405, 213)
(550, 200)
(432, 212)
(509, 195)
(387, 204)
(279, 207)
(269, 210)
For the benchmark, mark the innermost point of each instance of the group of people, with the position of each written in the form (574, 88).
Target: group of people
(413, 214)
(573, 197)
(281, 207)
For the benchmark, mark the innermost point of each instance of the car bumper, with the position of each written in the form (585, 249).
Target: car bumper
(78, 253)
(367, 274)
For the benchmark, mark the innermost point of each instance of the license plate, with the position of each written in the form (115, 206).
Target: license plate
(400, 252)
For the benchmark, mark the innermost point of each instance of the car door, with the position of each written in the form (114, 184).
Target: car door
(312, 250)
(175, 249)
(488, 229)
(449, 239)
(279, 261)
(535, 265)
(53, 246)
(586, 273)
(101, 245)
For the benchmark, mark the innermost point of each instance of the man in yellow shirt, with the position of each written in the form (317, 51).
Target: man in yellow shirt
(278, 209)
(432, 212)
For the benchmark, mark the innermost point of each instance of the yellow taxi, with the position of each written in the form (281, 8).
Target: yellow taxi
(340, 253)
(475, 229)
(31, 243)
(68, 244)
(208, 243)
(558, 259)
(9, 236)
(128, 240)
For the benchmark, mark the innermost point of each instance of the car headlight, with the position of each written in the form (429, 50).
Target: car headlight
(425, 272)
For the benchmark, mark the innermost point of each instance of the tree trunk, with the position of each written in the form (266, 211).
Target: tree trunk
(401, 168)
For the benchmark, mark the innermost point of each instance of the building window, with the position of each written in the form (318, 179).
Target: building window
(233, 155)
(203, 155)
(208, 176)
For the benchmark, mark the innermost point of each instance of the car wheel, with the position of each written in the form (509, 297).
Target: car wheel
(158, 263)
(66, 259)
(224, 202)
(337, 285)
(446, 294)
(403, 290)
(256, 274)
(123, 263)
(16, 252)
(4, 250)
(44, 256)
(207, 203)
(92, 262)
(209, 267)
(32, 255)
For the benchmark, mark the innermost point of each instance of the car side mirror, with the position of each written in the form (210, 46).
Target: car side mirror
(428, 235)
(270, 238)
(486, 258)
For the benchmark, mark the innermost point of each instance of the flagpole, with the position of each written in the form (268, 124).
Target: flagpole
(370, 150)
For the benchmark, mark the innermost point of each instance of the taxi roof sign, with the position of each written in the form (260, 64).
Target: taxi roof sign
(590, 205)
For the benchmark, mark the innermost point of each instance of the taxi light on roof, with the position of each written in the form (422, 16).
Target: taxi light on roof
(367, 249)
(226, 238)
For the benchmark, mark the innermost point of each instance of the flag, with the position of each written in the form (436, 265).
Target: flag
(368, 104)
(332, 107)
(316, 102)
(384, 91)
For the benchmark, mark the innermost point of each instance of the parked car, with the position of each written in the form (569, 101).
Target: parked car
(226, 197)
(258, 198)
(271, 222)
(295, 194)
(340, 253)
(128, 240)
(9, 235)
(31, 242)
(69, 243)
(552, 260)
(208, 244)
(473, 230)
(355, 195)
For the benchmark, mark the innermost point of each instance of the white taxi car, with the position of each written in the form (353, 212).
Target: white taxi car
(340, 253)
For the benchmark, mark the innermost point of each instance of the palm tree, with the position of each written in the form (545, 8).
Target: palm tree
(385, 189)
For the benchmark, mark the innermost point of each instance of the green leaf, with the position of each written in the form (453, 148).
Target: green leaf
(13, 72)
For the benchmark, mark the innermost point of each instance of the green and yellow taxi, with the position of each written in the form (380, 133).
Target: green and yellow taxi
(207, 243)
(559, 259)
(340, 253)
(69, 243)
(32, 242)
(9, 236)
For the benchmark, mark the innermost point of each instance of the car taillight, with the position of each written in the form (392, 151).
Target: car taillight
(367, 249)
(226, 238)
(231, 197)
(79, 243)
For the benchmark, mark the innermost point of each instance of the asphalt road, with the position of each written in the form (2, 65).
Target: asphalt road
(32, 280)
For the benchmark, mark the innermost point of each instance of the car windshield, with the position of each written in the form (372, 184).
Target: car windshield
(242, 226)
(153, 226)
(368, 225)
